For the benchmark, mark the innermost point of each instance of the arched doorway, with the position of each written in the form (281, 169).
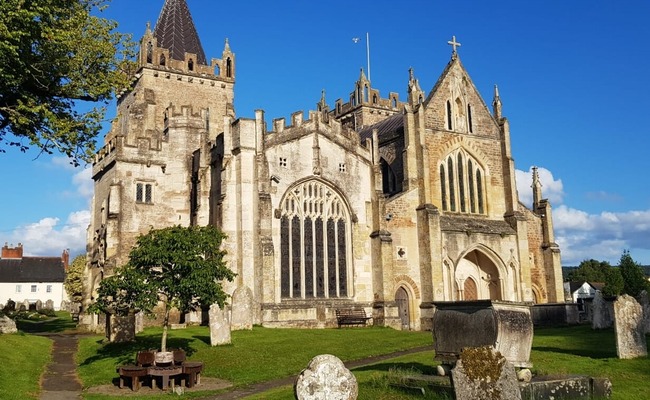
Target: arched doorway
(470, 290)
(402, 300)
(479, 276)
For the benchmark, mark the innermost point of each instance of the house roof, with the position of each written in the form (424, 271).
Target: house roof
(575, 285)
(176, 32)
(32, 269)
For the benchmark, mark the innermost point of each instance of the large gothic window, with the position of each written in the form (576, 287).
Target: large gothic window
(463, 190)
(315, 252)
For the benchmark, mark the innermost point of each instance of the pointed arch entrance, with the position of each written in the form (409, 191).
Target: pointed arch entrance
(479, 277)
(402, 300)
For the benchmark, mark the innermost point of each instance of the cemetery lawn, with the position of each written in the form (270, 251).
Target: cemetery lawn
(254, 356)
(265, 354)
(24, 358)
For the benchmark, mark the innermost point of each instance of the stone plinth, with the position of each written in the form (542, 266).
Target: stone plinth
(505, 326)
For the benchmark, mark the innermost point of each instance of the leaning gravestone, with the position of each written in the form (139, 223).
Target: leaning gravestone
(242, 309)
(39, 305)
(7, 325)
(602, 317)
(643, 300)
(483, 373)
(326, 378)
(219, 326)
(49, 305)
(628, 327)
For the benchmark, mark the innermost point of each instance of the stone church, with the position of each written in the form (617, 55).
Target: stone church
(379, 203)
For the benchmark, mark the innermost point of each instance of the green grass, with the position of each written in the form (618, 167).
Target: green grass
(22, 361)
(255, 356)
(61, 322)
(581, 350)
(264, 354)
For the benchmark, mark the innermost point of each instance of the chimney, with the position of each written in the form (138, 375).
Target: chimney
(65, 258)
(12, 252)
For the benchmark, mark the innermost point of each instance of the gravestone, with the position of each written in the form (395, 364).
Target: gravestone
(219, 326)
(24, 306)
(194, 317)
(326, 378)
(49, 305)
(643, 300)
(139, 322)
(242, 309)
(602, 316)
(628, 327)
(506, 326)
(7, 325)
(120, 328)
(39, 305)
(483, 373)
(10, 306)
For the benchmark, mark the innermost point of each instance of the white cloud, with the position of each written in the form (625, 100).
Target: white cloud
(552, 189)
(601, 236)
(48, 237)
(83, 181)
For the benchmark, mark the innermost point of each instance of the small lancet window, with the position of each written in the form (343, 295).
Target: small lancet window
(449, 124)
(365, 94)
(190, 65)
(394, 102)
(452, 192)
(163, 61)
(461, 183)
(228, 68)
(374, 99)
(149, 52)
(443, 189)
(469, 118)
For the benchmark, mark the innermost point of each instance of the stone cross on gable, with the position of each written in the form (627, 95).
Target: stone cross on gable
(453, 43)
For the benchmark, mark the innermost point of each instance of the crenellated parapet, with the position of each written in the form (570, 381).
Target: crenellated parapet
(317, 121)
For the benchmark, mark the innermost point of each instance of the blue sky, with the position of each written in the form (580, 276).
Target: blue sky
(573, 77)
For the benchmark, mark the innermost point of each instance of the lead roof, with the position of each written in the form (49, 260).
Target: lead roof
(176, 32)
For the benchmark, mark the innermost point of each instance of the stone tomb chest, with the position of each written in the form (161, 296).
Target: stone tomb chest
(506, 326)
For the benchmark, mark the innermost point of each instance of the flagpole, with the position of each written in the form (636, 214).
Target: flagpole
(368, 52)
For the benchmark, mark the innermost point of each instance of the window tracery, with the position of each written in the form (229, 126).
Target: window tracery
(315, 251)
(461, 183)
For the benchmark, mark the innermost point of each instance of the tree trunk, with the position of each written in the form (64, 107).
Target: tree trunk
(163, 344)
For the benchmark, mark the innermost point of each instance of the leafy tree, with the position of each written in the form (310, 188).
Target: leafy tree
(178, 267)
(56, 56)
(633, 276)
(74, 279)
(590, 271)
(614, 284)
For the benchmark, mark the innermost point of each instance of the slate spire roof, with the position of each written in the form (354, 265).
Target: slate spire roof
(175, 31)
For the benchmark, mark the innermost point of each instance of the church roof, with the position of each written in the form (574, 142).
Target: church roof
(176, 32)
(387, 129)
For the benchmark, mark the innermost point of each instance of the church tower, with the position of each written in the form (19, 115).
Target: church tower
(154, 168)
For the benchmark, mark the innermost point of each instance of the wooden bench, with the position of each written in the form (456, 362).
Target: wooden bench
(352, 316)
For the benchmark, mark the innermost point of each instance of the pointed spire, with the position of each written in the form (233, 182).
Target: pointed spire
(362, 76)
(176, 32)
(226, 46)
(322, 104)
(537, 189)
(496, 103)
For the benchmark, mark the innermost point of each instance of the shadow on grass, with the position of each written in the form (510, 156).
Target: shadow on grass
(52, 325)
(125, 353)
(204, 339)
(579, 340)
(404, 366)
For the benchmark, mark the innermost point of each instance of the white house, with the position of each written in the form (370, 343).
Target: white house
(32, 281)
